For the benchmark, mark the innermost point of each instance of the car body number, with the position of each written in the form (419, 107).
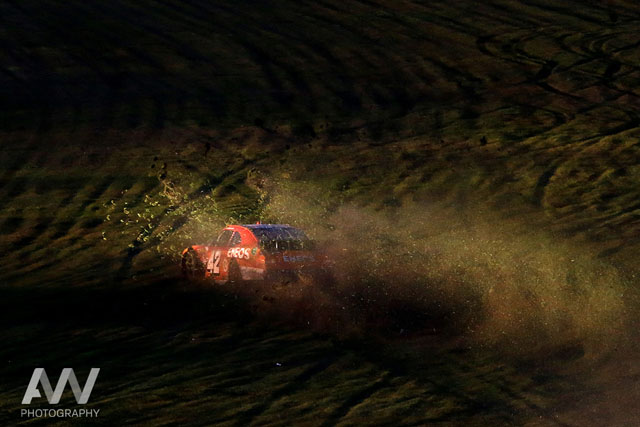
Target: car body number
(213, 266)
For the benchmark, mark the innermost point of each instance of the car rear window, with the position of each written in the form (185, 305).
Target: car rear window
(223, 238)
(276, 239)
(235, 239)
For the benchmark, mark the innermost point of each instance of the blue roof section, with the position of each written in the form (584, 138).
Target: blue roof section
(276, 232)
(266, 226)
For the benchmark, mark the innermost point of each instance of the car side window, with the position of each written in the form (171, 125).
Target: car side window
(223, 238)
(235, 239)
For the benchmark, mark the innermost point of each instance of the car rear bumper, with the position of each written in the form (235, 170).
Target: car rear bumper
(280, 275)
(252, 273)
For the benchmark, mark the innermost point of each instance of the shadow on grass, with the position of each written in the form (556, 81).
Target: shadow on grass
(173, 352)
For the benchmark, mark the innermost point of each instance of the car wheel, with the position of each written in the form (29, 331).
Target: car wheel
(235, 276)
(192, 267)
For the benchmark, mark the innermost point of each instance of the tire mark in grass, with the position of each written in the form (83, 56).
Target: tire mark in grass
(294, 385)
(507, 389)
(569, 14)
(543, 181)
(356, 399)
(613, 67)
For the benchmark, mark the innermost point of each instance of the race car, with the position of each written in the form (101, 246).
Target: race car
(254, 252)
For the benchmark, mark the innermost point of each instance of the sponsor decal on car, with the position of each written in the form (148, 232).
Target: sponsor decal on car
(298, 258)
(238, 253)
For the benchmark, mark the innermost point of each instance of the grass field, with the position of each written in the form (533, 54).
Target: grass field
(472, 167)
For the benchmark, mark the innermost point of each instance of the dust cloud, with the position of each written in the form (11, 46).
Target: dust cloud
(423, 268)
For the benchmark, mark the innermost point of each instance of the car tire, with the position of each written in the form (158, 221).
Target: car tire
(235, 276)
(192, 267)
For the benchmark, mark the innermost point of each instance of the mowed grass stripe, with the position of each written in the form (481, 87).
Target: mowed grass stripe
(278, 53)
(70, 237)
(86, 53)
(280, 82)
(128, 76)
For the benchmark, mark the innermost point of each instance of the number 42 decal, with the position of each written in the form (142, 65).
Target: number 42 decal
(213, 265)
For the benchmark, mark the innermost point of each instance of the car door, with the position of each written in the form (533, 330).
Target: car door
(216, 255)
(229, 253)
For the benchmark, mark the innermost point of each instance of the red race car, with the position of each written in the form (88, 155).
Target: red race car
(254, 252)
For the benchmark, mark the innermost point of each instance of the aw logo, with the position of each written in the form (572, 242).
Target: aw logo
(53, 396)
